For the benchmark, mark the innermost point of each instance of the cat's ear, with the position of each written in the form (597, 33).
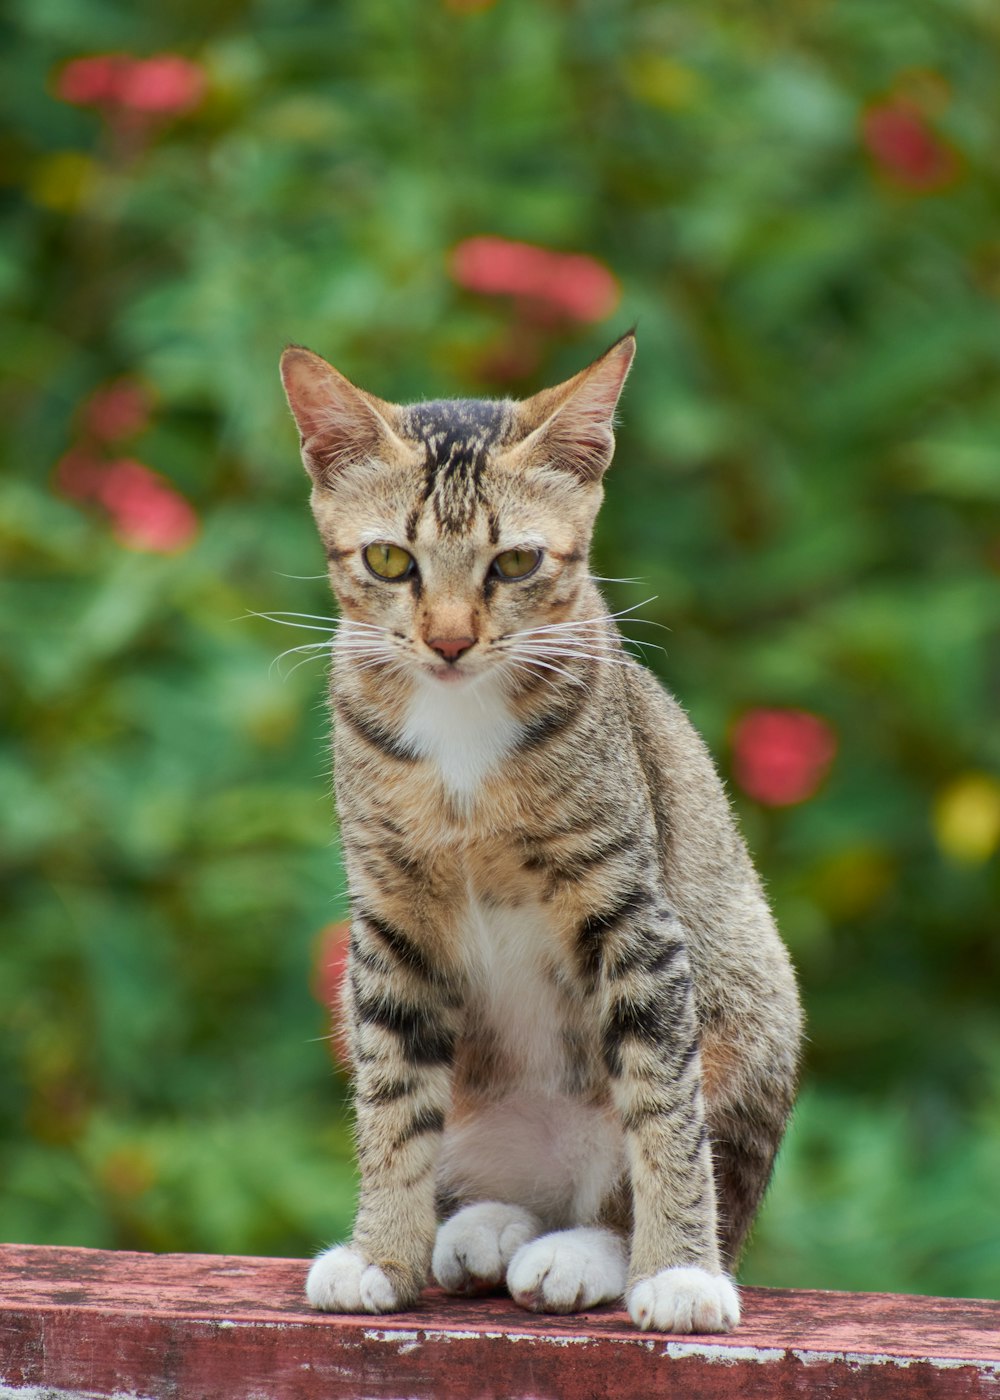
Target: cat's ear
(339, 424)
(572, 424)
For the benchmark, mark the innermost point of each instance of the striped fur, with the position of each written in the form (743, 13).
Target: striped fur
(566, 994)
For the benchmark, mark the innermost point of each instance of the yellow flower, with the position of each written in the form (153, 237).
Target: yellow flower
(967, 818)
(662, 82)
(62, 180)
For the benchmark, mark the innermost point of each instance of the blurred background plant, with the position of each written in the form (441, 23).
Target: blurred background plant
(798, 204)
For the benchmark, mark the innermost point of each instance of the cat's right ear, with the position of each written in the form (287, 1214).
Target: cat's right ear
(339, 424)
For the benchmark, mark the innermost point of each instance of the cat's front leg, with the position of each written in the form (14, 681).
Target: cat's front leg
(650, 1040)
(404, 1018)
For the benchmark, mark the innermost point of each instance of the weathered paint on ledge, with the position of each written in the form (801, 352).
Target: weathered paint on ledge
(91, 1323)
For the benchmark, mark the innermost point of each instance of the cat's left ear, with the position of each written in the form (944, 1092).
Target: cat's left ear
(572, 425)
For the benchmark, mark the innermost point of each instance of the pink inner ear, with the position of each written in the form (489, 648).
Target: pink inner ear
(579, 432)
(309, 387)
(338, 424)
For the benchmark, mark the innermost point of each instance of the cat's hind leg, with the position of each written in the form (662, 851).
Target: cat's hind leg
(569, 1270)
(473, 1248)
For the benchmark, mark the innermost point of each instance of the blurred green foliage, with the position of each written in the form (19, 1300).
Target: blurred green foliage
(800, 204)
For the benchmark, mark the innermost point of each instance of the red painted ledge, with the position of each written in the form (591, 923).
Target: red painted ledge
(91, 1323)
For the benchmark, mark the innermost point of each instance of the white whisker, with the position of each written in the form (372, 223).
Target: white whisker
(298, 664)
(602, 621)
(305, 626)
(566, 652)
(529, 662)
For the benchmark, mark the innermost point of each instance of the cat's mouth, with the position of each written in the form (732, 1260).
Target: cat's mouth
(449, 673)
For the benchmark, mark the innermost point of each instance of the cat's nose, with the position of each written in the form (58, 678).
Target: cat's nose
(451, 648)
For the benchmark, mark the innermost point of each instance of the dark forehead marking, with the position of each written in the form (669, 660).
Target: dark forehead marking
(457, 435)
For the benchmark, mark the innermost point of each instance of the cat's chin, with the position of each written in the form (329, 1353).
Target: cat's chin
(447, 675)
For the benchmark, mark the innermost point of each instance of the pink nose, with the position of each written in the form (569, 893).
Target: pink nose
(451, 648)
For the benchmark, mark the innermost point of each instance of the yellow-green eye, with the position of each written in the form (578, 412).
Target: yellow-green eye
(516, 563)
(389, 561)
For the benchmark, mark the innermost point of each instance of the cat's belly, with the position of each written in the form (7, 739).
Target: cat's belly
(557, 1156)
(530, 1121)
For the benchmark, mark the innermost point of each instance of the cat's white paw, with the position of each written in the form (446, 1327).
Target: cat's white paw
(342, 1280)
(685, 1300)
(568, 1271)
(475, 1246)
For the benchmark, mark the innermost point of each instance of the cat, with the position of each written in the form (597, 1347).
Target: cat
(573, 1025)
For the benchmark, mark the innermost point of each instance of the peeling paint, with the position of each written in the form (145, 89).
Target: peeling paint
(48, 1392)
(856, 1359)
(718, 1354)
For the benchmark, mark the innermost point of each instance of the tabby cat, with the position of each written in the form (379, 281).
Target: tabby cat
(573, 1026)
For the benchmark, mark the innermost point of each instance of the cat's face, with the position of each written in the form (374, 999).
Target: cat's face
(455, 529)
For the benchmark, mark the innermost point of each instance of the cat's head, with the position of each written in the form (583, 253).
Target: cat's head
(452, 526)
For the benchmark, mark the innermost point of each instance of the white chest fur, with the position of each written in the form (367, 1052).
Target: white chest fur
(506, 952)
(465, 729)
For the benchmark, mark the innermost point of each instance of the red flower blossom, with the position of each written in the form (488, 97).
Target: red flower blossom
(572, 285)
(781, 757)
(165, 85)
(904, 146)
(329, 970)
(90, 82)
(168, 84)
(117, 410)
(147, 512)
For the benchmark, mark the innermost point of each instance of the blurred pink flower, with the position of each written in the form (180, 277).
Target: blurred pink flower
(905, 148)
(90, 82)
(146, 510)
(573, 285)
(164, 85)
(781, 757)
(329, 970)
(117, 410)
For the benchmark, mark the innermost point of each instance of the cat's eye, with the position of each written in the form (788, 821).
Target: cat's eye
(516, 563)
(389, 561)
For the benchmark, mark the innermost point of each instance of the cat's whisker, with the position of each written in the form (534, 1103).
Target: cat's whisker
(622, 612)
(646, 646)
(599, 622)
(335, 624)
(530, 661)
(315, 617)
(583, 656)
(527, 649)
(548, 627)
(551, 681)
(282, 622)
(313, 648)
(345, 647)
(571, 646)
(294, 668)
